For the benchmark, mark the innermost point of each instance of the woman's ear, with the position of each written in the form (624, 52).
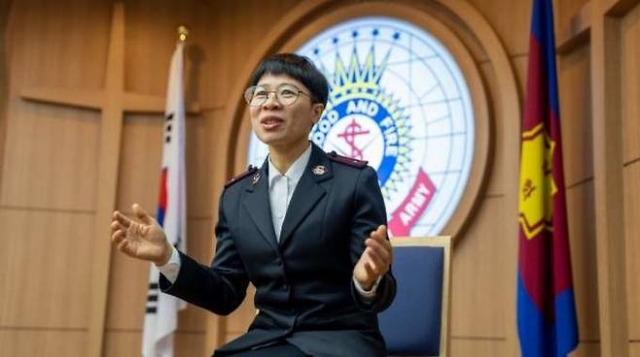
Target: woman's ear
(317, 112)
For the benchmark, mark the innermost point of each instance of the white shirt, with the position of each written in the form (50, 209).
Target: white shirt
(281, 189)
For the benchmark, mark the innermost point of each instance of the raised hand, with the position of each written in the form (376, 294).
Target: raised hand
(375, 260)
(143, 240)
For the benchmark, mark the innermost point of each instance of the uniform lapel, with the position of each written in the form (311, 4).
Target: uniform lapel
(307, 193)
(256, 203)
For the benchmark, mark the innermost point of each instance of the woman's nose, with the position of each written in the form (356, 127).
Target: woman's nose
(272, 100)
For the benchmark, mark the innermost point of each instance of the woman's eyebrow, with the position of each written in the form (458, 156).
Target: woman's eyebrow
(267, 86)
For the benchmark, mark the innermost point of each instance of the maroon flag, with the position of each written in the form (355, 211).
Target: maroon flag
(546, 314)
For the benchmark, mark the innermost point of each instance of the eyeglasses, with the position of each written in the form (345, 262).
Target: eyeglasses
(286, 94)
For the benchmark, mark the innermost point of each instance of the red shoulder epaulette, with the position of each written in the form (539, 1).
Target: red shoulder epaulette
(347, 160)
(239, 177)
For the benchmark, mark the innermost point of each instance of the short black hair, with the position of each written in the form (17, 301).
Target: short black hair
(297, 67)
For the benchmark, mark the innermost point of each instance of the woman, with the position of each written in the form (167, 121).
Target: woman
(307, 229)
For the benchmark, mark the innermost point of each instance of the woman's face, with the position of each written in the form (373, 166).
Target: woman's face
(279, 125)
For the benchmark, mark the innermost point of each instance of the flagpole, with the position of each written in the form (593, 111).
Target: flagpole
(183, 32)
(161, 315)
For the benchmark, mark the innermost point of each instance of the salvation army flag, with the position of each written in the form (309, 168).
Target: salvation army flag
(547, 325)
(161, 318)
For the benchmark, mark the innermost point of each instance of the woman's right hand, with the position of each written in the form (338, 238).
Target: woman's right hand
(142, 240)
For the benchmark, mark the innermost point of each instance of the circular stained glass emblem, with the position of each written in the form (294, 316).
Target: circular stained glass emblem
(399, 100)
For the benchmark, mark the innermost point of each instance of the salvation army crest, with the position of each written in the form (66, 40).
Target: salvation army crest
(399, 101)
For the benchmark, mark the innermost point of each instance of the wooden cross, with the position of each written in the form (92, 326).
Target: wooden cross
(113, 101)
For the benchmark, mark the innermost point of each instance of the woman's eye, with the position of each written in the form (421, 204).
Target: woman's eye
(287, 93)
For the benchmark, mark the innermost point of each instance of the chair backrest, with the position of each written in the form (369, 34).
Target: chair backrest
(417, 323)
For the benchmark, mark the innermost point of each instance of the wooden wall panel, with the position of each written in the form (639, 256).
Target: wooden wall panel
(521, 66)
(632, 235)
(587, 349)
(581, 217)
(473, 347)
(575, 118)
(44, 276)
(498, 174)
(200, 246)
(575, 115)
(238, 322)
(191, 344)
(128, 344)
(50, 50)
(606, 74)
(123, 343)
(59, 43)
(484, 275)
(630, 110)
(50, 158)
(630, 55)
(139, 176)
(128, 286)
(24, 343)
(49, 170)
(565, 10)
(513, 29)
(202, 162)
(152, 33)
(193, 319)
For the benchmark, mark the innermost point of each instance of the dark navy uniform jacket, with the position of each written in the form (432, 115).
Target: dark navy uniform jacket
(304, 289)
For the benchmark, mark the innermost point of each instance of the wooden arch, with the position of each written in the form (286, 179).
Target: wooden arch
(459, 26)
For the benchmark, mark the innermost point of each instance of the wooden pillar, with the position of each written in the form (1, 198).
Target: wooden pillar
(608, 180)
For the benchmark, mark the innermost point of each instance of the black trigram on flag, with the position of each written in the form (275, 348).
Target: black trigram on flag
(167, 127)
(152, 298)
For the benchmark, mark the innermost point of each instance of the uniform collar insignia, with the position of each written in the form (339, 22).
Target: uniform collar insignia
(319, 170)
(255, 178)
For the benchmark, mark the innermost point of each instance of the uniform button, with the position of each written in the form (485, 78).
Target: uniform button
(285, 287)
